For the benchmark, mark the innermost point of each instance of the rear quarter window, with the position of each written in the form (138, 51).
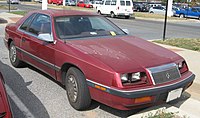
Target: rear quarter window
(27, 22)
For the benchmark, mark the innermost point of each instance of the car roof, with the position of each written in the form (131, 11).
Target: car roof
(57, 13)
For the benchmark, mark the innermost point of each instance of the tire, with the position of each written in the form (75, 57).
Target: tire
(127, 17)
(112, 15)
(99, 12)
(199, 18)
(151, 12)
(77, 89)
(182, 16)
(14, 59)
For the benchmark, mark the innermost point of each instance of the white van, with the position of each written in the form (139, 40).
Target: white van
(116, 8)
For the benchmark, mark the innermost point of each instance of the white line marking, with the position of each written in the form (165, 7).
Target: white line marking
(19, 103)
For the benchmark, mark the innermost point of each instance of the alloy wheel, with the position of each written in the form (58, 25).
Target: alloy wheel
(72, 88)
(13, 54)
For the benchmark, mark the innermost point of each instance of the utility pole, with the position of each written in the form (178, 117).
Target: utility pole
(44, 4)
(9, 5)
(165, 23)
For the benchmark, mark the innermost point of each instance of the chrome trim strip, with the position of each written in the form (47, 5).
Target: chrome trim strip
(161, 68)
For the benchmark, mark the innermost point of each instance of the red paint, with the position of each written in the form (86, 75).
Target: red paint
(4, 104)
(84, 4)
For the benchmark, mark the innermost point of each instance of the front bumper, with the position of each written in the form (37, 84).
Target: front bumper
(125, 100)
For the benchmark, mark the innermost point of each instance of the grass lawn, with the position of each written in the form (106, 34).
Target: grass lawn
(156, 16)
(191, 44)
(19, 12)
(6, 7)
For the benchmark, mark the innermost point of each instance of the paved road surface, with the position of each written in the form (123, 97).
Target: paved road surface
(146, 29)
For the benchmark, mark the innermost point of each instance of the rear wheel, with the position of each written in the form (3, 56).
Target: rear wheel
(151, 12)
(77, 89)
(15, 61)
(182, 16)
(99, 12)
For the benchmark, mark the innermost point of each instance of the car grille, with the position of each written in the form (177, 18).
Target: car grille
(164, 73)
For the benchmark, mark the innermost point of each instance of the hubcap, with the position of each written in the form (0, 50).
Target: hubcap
(72, 88)
(13, 53)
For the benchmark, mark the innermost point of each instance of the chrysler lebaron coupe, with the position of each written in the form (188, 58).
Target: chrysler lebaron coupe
(96, 60)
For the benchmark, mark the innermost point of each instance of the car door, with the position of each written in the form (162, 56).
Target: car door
(106, 8)
(38, 52)
(193, 13)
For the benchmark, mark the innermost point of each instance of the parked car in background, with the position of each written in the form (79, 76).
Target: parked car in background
(95, 59)
(116, 8)
(70, 2)
(57, 2)
(193, 12)
(140, 7)
(5, 111)
(159, 10)
(84, 4)
(13, 1)
(152, 4)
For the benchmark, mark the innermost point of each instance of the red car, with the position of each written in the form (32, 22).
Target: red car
(95, 59)
(5, 111)
(84, 4)
(57, 2)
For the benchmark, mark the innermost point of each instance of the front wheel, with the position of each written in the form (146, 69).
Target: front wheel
(181, 15)
(14, 59)
(112, 15)
(99, 12)
(77, 89)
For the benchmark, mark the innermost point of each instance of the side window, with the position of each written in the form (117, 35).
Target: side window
(128, 3)
(194, 10)
(113, 2)
(122, 3)
(41, 24)
(27, 22)
(102, 2)
(107, 2)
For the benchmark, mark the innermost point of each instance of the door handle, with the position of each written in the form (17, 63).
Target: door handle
(23, 39)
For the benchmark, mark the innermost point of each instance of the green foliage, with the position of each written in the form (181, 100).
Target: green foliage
(6, 7)
(161, 113)
(19, 12)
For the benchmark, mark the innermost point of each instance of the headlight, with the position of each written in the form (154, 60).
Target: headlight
(182, 66)
(133, 77)
(124, 77)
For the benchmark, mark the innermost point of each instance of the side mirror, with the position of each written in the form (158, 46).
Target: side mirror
(126, 31)
(46, 37)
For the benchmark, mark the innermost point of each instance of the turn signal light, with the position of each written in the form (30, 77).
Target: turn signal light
(143, 99)
(99, 87)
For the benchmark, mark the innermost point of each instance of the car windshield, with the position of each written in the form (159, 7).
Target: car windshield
(73, 27)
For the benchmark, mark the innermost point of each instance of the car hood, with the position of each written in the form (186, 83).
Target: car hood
(125, 53)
